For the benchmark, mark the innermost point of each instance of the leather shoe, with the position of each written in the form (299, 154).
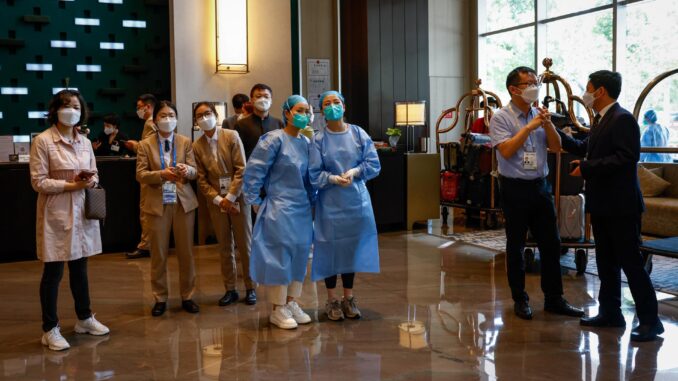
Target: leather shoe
(138, 253)
(647, 332)
(251, 297)
(159, 308)
(190, 306)
(562, 307)
(230, 297)
(523, 310)
(601, 320)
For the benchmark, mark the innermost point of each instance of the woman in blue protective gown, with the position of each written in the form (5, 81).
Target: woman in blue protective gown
(283, 232)
(342, 159)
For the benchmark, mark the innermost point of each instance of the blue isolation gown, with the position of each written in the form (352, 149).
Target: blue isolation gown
(283, 232)
(655, 136)
(345, 234)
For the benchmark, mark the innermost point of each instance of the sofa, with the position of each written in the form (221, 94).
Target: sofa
(661, 211)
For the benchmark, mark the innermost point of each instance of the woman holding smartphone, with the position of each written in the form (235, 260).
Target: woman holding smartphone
(62, 165)
(220, 159)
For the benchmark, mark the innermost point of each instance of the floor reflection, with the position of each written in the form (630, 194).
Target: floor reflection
(439, 310)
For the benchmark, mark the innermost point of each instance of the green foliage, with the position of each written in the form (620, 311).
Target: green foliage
(393, 132)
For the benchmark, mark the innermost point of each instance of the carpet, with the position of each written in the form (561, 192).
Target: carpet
(663, 273)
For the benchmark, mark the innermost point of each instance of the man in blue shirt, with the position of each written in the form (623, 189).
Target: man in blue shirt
(521, 135)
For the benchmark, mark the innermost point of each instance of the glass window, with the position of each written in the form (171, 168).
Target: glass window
(500, 53)
(555, 8)
(507, 13)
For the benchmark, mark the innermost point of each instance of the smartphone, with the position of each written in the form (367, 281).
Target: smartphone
(573, 165)
(86, 174)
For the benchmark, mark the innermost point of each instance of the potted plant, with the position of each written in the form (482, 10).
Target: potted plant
(393, 136)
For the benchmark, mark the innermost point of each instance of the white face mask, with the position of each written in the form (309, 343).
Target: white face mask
(207, 123)
(262, 104)
(167, 124)
(141, 112)
(68, 116)
(109, 130)
(530, 94)
(588, 99)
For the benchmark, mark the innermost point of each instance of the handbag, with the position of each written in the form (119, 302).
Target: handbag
(95, 203)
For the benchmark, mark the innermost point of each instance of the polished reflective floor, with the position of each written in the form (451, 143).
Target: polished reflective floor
(439, 310)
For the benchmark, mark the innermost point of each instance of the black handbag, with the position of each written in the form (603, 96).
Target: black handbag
(95, 203)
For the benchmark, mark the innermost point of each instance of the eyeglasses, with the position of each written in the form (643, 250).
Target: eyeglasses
(206, 114)
(538, 84)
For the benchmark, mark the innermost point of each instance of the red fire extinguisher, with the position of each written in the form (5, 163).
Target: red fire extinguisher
(449, 184)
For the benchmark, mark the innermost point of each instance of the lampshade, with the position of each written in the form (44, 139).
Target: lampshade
(410, 113)
(231, 36)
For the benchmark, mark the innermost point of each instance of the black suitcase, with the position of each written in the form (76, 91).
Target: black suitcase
(452, 158)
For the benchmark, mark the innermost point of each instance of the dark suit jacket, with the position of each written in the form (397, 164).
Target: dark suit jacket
(251, 127)
(612, 151)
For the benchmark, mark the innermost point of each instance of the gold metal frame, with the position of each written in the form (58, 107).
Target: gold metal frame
(551, 78)
(648, 88)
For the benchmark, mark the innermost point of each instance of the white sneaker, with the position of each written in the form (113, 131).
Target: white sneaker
(54, 340)
(298, 314)
(281, 317)
(91, 326)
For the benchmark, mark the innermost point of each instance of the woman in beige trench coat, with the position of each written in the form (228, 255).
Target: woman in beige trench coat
(62, 165)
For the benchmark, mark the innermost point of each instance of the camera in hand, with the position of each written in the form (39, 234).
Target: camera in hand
(86, 174)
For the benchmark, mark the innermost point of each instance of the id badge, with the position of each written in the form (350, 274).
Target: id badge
(224, 185)
(169, 193)
(115, 148)
(530, 161)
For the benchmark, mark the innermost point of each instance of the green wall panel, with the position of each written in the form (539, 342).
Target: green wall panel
(28, 28)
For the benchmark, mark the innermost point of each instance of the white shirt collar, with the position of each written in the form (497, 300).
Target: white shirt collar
(170, 137)
(604, 110)
(214, 137)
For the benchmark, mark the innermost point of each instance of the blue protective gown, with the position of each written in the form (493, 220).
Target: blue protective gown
(655, 136)
(345, 234)
(283, 232)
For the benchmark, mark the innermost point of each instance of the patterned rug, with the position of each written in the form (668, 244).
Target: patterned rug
(663, 271)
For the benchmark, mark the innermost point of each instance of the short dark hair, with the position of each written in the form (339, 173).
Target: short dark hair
(260, 86)
(204, 103)
(610, 80)
(490, 101)
(514, 76)
(61, 98)
(148, 99)
(162, 104)
(112, 119)
(239, 99)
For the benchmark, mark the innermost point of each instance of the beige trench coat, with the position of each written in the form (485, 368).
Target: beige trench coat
(62, 231)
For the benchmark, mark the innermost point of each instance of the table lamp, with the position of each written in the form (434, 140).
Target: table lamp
(410, 114)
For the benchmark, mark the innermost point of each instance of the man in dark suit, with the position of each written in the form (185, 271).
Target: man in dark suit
(615, 203)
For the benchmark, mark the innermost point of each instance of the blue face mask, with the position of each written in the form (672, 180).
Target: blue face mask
(333, 112)
(300, 121)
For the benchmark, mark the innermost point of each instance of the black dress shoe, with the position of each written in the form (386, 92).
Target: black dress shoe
(523, 310)
(601, 320)
(647, 332)
(230, 297)
(159, 308)
(562, 307)
(190, 306)
(138, 253)
(251, 297)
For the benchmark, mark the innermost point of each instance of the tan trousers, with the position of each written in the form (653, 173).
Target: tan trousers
(228, 227)
(278, 294)
(181, 223)
(145, 242)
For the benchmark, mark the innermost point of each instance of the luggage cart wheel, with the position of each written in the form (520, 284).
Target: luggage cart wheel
(528, 255)
(580, 260)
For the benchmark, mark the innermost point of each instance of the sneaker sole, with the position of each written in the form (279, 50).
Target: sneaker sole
(356, 317)
(282, 326)
(56, 349)
(93, 333)
(304, 321)
(334, 319)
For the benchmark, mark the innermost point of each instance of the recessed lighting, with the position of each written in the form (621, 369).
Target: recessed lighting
(63, 44)
(112, 45)
(57, 89)
(38, 67)
(37, 114)
(88, 68)
(86, 22)
(110, 1)
(14, 90)
(133, 24)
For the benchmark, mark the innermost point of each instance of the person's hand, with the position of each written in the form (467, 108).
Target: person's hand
(131, 145)
(96, 144)
(339, 180)
(577, 171)
(535, 123)
(350, 174)
(545, 115)
(182, 169)
(225, 204)
(233, 210)
(256, 208)
(91, 183)
(168, 174)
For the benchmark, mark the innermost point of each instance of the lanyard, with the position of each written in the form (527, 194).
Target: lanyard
(515, 118)
(162, 155)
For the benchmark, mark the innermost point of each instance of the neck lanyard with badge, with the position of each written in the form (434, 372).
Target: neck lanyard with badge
(529, 152)
(169, 188)
(225, 179)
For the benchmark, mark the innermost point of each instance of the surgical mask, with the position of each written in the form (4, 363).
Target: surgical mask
(262, 104)
(167, 124)
(207, 123)
(68, 116)
(333, 112)
(109, 130)
(141, 113)
(300, 121)
(530, 94)
(588, 99)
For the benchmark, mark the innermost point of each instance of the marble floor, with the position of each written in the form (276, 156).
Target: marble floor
(439, 310)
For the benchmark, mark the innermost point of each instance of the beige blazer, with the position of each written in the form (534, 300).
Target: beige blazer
(149, 129)
(148, 174)
(62, 231)
(232, 153)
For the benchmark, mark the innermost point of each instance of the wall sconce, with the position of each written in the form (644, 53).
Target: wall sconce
(231, 29)
(410, 114)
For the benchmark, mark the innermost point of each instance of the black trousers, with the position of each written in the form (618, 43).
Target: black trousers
(49, 290)
(529, 204)
(346, 281)
(617, 241)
